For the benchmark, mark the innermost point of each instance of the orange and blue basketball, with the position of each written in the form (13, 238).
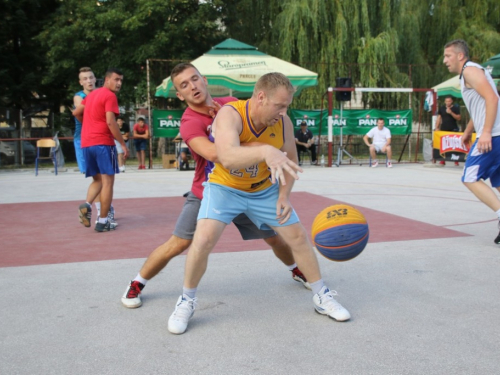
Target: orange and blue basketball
(340, 232)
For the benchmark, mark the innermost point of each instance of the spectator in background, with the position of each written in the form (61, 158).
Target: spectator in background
(447, 119)
(304, 140)
(141, 135)
(183, 157)
(87, 80)
(125, 131)
(381, 142)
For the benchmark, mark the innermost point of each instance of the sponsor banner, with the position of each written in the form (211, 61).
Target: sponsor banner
(166, 123)
(353, 121)
(448, 146)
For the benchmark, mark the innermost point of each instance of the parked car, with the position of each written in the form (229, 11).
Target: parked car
(8, 149)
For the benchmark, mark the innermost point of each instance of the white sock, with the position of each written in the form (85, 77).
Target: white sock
(498, 214)
(98, 206)
(317, 285)
(103, 220)
(292, 267)
(191, 293)
(141, 279)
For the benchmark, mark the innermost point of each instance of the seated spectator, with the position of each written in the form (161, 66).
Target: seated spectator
(381, 142)
(184, 153)
(304, 140)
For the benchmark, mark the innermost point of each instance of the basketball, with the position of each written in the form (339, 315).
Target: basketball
(340, 232)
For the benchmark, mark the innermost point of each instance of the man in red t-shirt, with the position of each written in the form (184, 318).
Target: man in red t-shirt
(195, 129)
(99, 130)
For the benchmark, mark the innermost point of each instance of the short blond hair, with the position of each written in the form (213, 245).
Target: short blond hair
(271, 81)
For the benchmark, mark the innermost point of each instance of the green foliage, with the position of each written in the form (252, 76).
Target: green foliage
(123, 34)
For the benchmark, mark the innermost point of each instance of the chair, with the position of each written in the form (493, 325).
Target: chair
(386, 160)
(46, 143)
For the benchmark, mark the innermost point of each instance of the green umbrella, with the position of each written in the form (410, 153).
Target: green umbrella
(233, 68)
(493, 66)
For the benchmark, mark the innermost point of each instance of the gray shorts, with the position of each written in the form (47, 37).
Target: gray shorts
(186, 223)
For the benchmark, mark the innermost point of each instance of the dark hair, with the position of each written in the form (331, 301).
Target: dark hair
(380, 119)
(179, 68)
(85, 69)
(460, 46)
(110, 72)
(303, 123)
(449, 97)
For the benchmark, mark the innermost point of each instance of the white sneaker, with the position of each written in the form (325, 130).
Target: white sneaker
(325, 304)
(184, 310)
(375, 164)
(389, 164)
(121, 169)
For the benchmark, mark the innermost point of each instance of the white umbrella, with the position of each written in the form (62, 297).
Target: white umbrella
(233, 68)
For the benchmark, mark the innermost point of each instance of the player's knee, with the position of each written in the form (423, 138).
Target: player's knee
(176, 245)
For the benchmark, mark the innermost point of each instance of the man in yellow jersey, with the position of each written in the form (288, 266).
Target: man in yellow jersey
(257, 181)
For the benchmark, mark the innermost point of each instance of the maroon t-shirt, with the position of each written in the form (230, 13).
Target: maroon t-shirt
(194, 125)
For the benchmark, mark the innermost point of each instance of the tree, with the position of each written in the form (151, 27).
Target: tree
(392, 43)
(123, 34)
(22, 63)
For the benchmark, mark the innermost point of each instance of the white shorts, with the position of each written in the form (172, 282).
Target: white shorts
(378, 146)
(119, 148)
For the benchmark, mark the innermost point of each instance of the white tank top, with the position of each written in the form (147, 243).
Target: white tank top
(476, 105)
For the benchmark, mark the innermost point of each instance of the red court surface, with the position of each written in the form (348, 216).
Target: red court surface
(49, 233)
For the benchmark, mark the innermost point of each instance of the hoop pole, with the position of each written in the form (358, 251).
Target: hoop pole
(330, 125)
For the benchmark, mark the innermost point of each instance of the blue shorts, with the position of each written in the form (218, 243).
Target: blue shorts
(483, 166)
(223, 203)
(186, 223)
(80, 159)
(100, 160)
(140, 144)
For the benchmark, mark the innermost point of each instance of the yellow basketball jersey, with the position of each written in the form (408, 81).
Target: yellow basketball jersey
(256, 177)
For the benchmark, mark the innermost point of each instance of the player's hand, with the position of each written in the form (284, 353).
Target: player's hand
(448, 110)
(484, 143)
(125, 151)
(279, 164)
(283, 210)
(214, 108)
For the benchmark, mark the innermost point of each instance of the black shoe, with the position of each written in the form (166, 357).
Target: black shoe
(497, 240)
(85, 214)
(104, 227)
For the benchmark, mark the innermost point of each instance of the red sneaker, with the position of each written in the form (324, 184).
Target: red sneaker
(297, 275)
(456, 163)
(442, 162)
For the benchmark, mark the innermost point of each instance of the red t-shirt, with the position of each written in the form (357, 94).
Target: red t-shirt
(140, 129)
(95, 129)
(194, 125)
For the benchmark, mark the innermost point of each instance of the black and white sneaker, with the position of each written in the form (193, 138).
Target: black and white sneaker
(85, 214)
(497, 240)
(104, 227)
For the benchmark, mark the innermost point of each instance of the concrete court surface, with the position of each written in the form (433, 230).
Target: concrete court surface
(425, 305)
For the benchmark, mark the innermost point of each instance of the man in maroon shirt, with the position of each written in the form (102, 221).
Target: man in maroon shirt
(195, 129)
(99, 131)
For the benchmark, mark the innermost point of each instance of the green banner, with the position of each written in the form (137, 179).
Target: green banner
(166, 123)
(353, 121)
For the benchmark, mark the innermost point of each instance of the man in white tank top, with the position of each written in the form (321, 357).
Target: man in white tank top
(483, 103)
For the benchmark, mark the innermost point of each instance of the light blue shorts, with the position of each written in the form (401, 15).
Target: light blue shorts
(100, 160)
(480, 166)
(80, 159)
(223, 203)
